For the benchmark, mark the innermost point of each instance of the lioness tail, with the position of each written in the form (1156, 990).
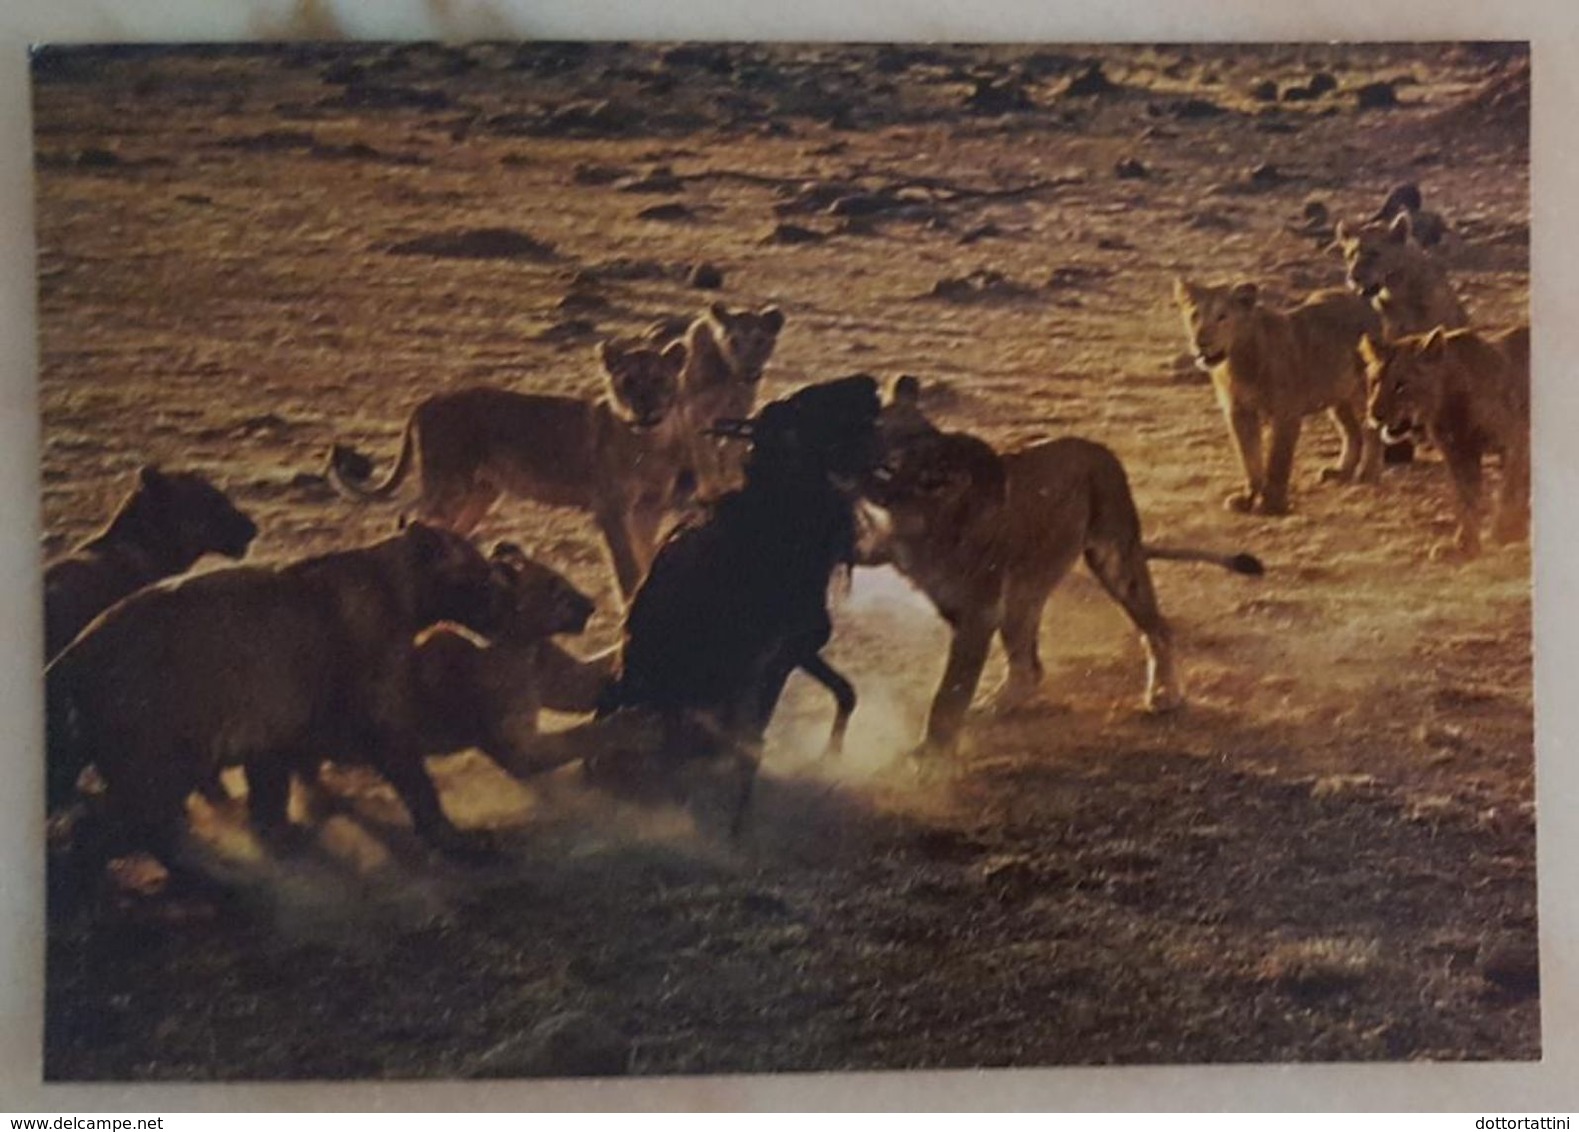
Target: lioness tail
(349, 471)
(1236, 563)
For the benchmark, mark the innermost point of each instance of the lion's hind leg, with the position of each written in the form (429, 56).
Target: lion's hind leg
(844, 699)
(1120, 565)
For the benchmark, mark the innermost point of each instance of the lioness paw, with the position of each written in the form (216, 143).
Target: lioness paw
(1240, 501)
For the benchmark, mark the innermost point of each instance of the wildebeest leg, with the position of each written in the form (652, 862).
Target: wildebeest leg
(747, 754)
(843, 693)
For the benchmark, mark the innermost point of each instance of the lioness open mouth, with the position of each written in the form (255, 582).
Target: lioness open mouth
(1397, 433)
(1204, 360)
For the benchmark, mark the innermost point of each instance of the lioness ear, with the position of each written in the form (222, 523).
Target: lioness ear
(674, 354)
(1398, 230)
(608, 355)
(1244, 294)
(906, 390)
(1181, 289)
(718, 311)
(150, 477)
(773, 318)
(1435, 342)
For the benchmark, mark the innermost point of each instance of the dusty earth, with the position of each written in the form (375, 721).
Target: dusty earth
(1329, 855)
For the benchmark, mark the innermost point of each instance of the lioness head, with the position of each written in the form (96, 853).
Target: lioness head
(1214, 318)
(1403, 381)
(1374, 253)
(926, 480)
(535, 600)
(934, 486)
(192, 514)
(902, 417)
(450, 579)
(746, 338)
(644, 382)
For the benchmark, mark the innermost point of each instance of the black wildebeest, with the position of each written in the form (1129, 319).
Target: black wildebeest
(738, 600)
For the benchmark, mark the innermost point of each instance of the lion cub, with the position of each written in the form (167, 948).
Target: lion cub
(624, 457)
(1272, 369)
(489, 696)
(1405, 283)
(1471, 393)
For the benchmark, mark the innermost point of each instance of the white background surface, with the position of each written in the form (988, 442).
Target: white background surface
(1553, 28)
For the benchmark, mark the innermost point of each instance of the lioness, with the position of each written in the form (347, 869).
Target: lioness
(162, 527)
(988, 538)
(624, 457)
(1271, 370)
(489, 696)
(1405, 283)
(272, 668)
(726, 352)
(1471, 393)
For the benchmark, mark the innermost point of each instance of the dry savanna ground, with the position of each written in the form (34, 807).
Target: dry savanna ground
(1328, 855)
